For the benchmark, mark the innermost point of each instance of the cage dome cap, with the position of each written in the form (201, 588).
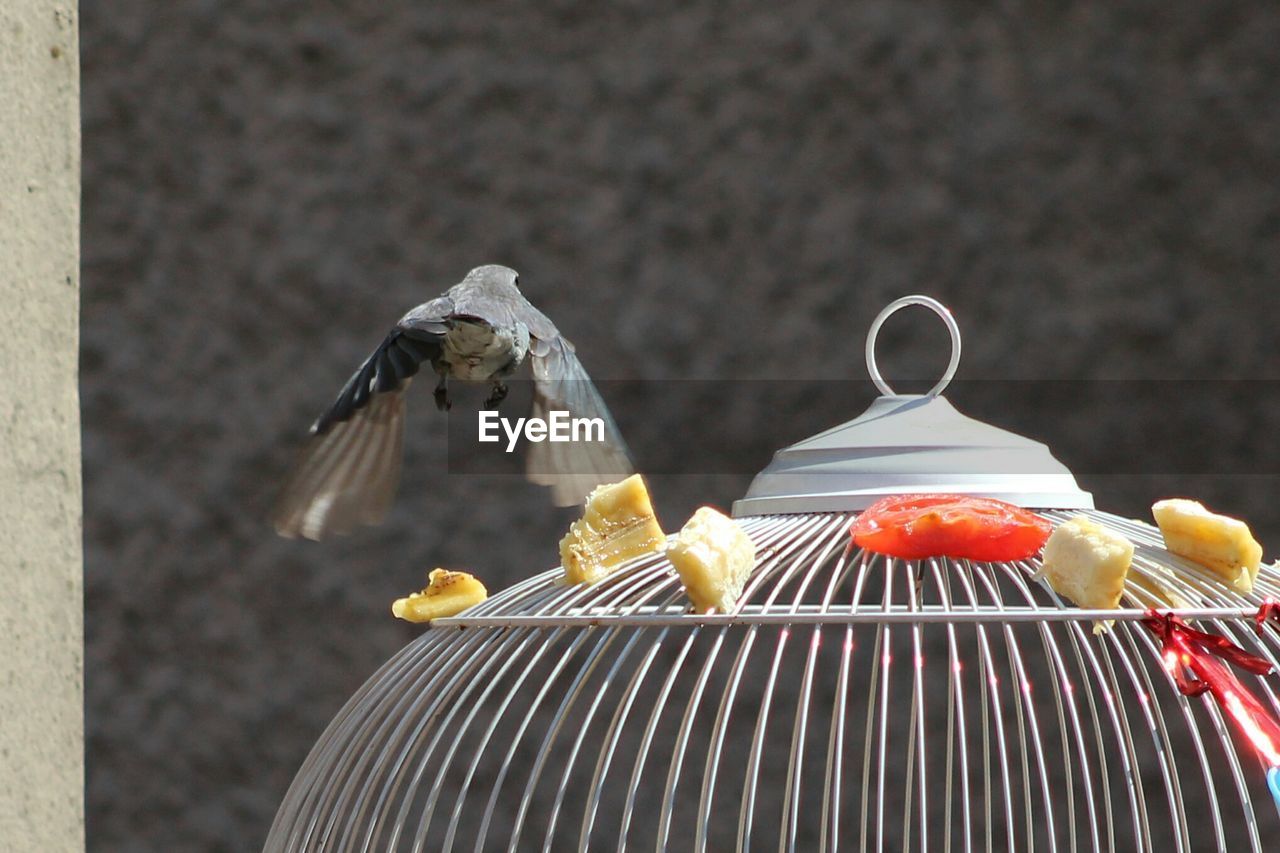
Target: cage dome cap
(911, 443)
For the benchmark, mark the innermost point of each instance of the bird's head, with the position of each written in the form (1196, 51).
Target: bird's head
(494, 274)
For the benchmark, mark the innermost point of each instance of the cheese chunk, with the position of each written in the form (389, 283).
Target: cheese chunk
(1087, 563)
(447, 594)
(617, 524)
(1220, 543)
(714, 557)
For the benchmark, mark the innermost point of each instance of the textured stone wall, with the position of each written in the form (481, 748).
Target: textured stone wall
(712, 190)
(41, 666)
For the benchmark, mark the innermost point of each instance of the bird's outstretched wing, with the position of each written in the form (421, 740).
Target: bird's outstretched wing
(349, 470)
(572, 468)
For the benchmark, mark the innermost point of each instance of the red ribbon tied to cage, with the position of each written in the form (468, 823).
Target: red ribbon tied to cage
(1196, 658)
(1270, 609)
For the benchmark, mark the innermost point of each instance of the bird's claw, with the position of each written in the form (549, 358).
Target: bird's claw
(496, 396)
(443, 403)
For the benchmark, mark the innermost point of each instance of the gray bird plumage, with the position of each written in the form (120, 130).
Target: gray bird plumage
(481, 329)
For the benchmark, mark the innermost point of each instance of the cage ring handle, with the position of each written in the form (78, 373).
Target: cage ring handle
(896, 305)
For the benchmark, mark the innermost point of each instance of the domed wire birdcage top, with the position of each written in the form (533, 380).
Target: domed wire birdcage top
(850, 700)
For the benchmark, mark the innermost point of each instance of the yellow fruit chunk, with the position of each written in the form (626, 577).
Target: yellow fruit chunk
(617, 524)
(1158, 586)
(447, 594)
(1087, 563)
(714, 557)
(1220, 543)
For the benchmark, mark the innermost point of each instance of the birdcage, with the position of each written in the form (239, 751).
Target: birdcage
(851, 701)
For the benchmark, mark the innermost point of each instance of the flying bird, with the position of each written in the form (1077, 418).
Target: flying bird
(481, 330)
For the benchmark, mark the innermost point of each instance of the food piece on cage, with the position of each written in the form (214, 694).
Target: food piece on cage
(447, 594)
(1087, 563)
(1220, 543)
(1158, 585)
(714, 557)
(618, 524)
(914, 527)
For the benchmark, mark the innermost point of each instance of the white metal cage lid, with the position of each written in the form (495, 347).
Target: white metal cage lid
(911, 443)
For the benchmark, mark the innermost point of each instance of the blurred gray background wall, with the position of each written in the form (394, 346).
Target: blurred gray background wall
(711, 190)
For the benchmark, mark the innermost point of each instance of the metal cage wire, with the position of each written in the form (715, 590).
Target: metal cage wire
(852, 702)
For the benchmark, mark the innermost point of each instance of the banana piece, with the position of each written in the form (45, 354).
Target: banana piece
(1220, 543)
(714, 557)
(447, 594)
(1158, 585)
(617, 524)
(1087, 563)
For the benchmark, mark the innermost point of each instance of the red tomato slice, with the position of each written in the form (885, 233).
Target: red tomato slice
(914, 527)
